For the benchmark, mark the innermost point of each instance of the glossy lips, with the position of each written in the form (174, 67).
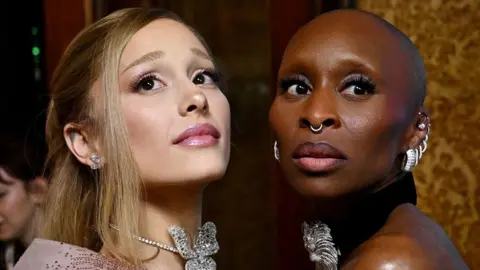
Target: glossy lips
(318, 157)
(198, 136)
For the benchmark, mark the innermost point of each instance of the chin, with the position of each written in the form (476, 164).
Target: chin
(206, 171)
(5, 236)
(193, 171)
(327, 187)
(209, 167)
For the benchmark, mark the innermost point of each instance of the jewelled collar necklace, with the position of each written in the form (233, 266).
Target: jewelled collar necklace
(198, 257)
(319, 244)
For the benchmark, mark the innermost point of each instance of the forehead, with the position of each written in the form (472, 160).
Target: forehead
(6, 179)
(327, 40)
(164, 35)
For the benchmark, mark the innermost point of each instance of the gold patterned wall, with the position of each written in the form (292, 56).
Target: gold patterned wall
(448, 36)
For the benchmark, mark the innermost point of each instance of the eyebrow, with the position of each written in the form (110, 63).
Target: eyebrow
(152, 56)
(3, 182)
(351, 62)
(148, 57)
(201, 54)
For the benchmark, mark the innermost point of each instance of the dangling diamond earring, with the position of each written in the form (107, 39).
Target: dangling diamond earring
(276, 152)
(95, 161)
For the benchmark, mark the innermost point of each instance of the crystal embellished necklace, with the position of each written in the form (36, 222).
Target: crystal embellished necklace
(198, 257)
(319, 243)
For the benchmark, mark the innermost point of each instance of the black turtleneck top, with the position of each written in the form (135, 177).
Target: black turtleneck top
(371, 213)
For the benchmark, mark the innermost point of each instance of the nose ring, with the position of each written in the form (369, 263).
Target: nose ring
(316, 129)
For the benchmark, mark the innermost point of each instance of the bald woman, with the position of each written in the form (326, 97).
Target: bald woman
(350, 126)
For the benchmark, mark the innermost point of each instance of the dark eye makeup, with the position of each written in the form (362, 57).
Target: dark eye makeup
(151, 81)
(302, 84)
(358, 84)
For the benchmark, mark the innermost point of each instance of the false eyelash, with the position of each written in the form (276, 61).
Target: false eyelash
(361, 81)
(285, 83)
(214, 74)
(136, 83)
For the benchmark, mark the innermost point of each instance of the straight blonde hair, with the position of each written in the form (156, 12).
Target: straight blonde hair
(82, 203)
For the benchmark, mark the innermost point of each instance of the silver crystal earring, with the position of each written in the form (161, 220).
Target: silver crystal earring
(276, 152)
(413, 156)
(95, 161)
(410, 160)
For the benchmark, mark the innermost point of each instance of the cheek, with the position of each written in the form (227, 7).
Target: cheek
(375, 133)
(220, 110)
(283, 124)
(15, 207)
(147, 124)
(276, 117)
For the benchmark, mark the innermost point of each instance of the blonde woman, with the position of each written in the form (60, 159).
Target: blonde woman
(137, 127)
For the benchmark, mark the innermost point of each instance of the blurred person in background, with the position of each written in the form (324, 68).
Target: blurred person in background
(22, 133)
(22, 192)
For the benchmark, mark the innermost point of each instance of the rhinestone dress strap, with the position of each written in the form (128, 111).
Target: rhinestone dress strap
(46, 255)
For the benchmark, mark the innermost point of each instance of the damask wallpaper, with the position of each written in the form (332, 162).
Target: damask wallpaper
(448, 36)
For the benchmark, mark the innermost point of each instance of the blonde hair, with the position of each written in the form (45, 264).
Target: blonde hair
(83, 203)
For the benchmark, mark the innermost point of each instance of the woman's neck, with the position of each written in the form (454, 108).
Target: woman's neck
(357, 222)
(175, 206)
(342, 208)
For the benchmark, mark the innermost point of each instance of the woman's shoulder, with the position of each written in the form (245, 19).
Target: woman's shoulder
(45, 254)
(408, 238)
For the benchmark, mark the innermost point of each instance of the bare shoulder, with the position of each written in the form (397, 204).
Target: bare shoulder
(391, 252)
(408, 240)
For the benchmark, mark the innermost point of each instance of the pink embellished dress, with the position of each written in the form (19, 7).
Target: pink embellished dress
(51, 255)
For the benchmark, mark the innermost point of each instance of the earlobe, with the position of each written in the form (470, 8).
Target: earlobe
(79, 144)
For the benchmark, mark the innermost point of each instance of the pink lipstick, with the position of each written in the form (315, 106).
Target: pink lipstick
(202, 135)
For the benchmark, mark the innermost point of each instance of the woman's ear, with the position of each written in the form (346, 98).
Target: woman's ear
(37, 190)
(79, 143)
(420, 129)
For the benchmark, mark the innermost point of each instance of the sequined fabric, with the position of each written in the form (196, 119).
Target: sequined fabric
(51, 255)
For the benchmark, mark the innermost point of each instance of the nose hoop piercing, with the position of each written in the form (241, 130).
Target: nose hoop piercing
(317, 129)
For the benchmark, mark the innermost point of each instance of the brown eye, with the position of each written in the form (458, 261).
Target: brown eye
(206, 77)
(298, 90)
(199, 79)
(357, 86)
(148, 83)
(297, 85)
(356, 90)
